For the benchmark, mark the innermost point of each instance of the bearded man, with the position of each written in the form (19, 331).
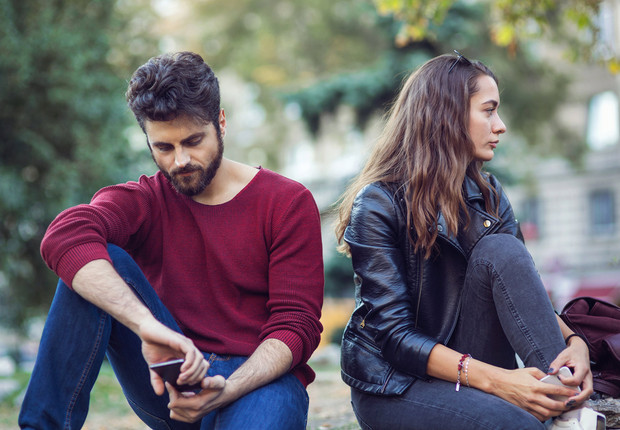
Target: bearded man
(209, 260)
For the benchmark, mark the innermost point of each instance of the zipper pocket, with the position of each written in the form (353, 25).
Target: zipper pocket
(387, 379)
(364, 344)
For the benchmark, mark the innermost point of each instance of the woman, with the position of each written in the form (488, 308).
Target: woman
(446, 291)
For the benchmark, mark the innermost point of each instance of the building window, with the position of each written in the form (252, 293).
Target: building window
(602, 212)
(603, 116)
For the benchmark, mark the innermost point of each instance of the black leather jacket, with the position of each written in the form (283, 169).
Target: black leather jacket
(405, 305)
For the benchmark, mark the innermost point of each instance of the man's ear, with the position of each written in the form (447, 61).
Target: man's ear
(222, 121)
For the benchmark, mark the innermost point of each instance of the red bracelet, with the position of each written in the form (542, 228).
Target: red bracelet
(459, 368)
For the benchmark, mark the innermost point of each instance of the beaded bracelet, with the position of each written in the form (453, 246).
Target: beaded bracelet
(466, 366)
(459, 368)
(580, 336)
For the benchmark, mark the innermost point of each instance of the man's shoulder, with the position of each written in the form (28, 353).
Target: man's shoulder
(278, 182)
(154, 184)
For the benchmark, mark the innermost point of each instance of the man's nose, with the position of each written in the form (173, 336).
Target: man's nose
(181, 157)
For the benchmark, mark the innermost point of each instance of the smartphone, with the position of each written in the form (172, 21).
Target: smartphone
(553, 379)
(169, 372)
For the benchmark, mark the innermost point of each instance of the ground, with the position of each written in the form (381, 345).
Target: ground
(330, 408)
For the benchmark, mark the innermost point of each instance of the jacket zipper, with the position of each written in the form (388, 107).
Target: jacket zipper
(387, 379)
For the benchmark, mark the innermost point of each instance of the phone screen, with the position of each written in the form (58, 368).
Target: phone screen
(169, 372)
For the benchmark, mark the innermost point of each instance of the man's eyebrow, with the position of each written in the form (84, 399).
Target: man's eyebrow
(189, 138)
(193, 137)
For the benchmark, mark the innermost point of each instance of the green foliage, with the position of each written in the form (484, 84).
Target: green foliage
(62, 120)
(572, 24)
(338, 276)
(531, 90)
(286, 42)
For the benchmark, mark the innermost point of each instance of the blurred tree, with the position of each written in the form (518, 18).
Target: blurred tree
(531, 90)
(338, 276)
(357, 53)
(62, 125)
(283, 42)
(277, 46)
(572, 24)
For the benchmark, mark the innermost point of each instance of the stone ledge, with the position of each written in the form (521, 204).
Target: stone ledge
(610, 407)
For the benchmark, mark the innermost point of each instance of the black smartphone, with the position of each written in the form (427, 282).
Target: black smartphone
(169, 372)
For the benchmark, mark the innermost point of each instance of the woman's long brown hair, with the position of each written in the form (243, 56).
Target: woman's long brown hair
(425, 148)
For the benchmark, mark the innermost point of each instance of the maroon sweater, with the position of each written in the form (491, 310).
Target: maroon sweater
(232, 275)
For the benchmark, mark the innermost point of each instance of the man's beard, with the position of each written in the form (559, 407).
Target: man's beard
(190, 185)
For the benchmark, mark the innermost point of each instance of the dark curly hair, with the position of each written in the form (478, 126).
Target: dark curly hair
(171, 85)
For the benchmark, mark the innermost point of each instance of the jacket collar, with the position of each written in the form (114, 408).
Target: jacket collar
(472, 192)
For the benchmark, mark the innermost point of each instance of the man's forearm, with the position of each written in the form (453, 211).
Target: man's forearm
(99, 283)
(269, 361)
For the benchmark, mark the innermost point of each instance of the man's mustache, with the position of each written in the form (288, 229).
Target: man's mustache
(186, 169)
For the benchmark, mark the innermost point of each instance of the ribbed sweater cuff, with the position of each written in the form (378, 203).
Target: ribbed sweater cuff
(294, 343)
(75, 258)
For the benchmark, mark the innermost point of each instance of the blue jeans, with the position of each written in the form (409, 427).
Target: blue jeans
(77, 336)
(505, 310)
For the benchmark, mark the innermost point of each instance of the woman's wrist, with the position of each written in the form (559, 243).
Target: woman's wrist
(484, 377)
(571, 338)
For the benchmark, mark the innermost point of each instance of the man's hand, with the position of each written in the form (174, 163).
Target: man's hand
(98, 282)
(159, 343)
(190, 407)
(269, 361)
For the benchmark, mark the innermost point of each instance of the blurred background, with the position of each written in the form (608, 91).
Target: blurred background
(305, 85)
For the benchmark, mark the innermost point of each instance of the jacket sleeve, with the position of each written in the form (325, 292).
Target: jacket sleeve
(380, 264)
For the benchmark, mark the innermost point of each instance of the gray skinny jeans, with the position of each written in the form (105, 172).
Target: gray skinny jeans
(505, 310)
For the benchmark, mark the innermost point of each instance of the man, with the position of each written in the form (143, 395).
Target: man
(208, 260)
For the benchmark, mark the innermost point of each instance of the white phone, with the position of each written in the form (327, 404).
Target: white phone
(553, 379)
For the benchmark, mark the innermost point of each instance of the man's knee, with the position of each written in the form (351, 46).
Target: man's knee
(124, 263)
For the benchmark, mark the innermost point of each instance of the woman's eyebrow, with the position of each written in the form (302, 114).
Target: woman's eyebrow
(493, 102)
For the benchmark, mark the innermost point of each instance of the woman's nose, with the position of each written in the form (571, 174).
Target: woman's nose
(499, 126)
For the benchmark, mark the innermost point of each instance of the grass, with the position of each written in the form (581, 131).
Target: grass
(109, 409)
(107, 400)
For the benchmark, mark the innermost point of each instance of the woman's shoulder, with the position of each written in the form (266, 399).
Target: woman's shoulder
(377, 199)
(379, 191)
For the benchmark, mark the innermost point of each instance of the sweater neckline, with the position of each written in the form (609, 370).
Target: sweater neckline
(231, 201)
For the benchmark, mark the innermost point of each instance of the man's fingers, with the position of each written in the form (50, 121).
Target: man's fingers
(216, 382)
(157, 383)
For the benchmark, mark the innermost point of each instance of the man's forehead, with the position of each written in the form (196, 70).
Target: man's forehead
(176, 129)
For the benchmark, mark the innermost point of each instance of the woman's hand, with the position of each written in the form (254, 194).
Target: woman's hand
(523, 388)
(577, 357)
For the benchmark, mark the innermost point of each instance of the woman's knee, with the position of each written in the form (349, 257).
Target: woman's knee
(499, 248)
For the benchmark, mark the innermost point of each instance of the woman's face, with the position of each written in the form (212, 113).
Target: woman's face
(485, 125)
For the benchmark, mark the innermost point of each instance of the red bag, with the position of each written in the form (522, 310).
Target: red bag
(599, 322)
